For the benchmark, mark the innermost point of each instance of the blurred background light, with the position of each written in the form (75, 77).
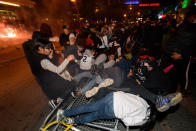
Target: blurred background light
(8, 3)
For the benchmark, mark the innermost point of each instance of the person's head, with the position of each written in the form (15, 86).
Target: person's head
(148, 62)
(35, 35)
(80, 43)
(72, 39)
(145, 65)
(111, 56)
(148, 67)
(92, 28)
(45, 30)
(78, 31)
(43, 49)
(104, 32)
(66, 29)
(92, 49)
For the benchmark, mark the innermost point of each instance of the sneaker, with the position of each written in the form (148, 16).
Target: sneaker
(175, 98)
(59, 115)
(163, 103)
(107, 82)
(68, 120)
(91, 92)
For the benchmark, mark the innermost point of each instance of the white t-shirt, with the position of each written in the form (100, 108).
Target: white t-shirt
(131, 109)
(87, 60)
(104, 41)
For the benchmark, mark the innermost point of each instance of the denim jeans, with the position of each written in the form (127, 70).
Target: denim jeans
(129, 86)
(101, 109)
(100, 59)
(86, 74)
(95, 80)
(92, 83)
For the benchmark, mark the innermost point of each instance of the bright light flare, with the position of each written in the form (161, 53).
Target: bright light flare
(8, 3)
(8, 33)
(11, 34)
(73, 1)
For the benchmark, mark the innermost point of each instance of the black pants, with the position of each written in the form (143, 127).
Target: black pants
(181, 74)
(129, 86)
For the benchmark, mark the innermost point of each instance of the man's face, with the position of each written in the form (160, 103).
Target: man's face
(44, 51)
(192, 19)
(111, 57)
(72, 39)
(92, 30)
(47, 51)
(149, 68)
(66, 31)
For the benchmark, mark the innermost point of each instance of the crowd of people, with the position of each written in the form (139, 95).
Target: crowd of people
(125, 64)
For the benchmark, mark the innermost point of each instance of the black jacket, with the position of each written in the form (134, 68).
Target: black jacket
(63, 39)
(157, 82)
(184, 41)
(51, 83)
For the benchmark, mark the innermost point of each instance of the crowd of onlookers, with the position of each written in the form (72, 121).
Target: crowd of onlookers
(117, 64)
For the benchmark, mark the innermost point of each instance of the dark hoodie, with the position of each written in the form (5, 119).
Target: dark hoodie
(184, 41)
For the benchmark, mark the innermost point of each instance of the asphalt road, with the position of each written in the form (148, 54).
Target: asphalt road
(22, 102)
(23, 106)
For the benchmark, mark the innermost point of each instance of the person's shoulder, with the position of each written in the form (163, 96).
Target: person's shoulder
(27, 42)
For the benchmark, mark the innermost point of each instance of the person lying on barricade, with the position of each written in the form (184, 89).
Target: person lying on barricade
(131, 109)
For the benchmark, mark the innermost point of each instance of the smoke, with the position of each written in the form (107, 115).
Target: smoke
(53, 12)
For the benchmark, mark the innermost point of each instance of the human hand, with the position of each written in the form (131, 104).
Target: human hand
(79, 53)
(130, 73)
(54, 39)
(51, 54)
(176, 56)
(70, 57)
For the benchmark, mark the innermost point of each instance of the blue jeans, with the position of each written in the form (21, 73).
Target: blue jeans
(101, 109)
(86, 74)
(95, 80)
(92, 83)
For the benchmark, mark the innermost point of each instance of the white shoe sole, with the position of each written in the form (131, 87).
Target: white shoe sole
(106, 83)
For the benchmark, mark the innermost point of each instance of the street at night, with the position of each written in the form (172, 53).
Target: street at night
(24, 106)
(98, 65)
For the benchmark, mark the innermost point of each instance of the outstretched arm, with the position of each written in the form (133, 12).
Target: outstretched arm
(47, 65)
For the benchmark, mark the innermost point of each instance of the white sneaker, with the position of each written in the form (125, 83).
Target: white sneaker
(107, 82)
(59, 115)
(91, 92)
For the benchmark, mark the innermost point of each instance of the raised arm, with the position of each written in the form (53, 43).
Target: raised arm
(47, 65)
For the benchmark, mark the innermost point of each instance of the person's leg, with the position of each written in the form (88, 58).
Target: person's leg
(91, 107)
(107, 112)
(184, 74)
(86, 74)
(116, 74)
(89, 86)
(107, 82)
(92, 83)
(137, 91)
(100, 59)
(144, 93)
